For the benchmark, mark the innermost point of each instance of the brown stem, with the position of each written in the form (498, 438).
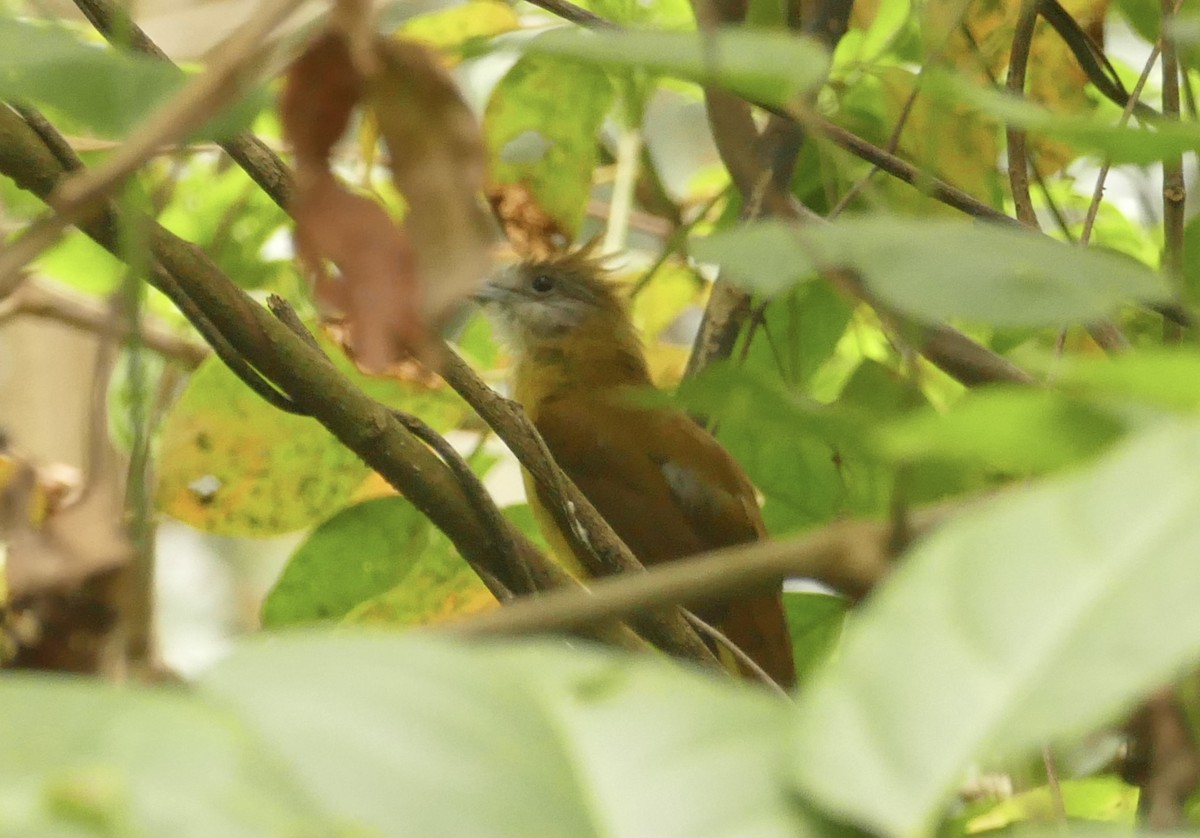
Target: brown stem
(1174, 191)
(1018, 155)
(42, 299)
(850, 556)
(301, 373)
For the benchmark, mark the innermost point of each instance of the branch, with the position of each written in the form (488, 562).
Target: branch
(1018, 155)
(1174, 191)
(852, 557)
(1164, 761)
(199, 99)
(43, 299)
(948, 349)
(673, 634)
(302, 374)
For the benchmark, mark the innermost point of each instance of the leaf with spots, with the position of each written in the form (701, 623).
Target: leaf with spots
(232, 464)
(541, 125)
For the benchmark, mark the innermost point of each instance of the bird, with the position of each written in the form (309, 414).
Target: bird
(664, 484)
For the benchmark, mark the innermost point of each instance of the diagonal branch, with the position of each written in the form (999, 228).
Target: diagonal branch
(300, 372)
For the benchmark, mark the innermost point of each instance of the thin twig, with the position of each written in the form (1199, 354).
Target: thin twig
(1018, 155)
(1055, 787)
(247, 150)
(41, 299)
(849, 556)
(479, 498)
(744, 660)
(1174, 191)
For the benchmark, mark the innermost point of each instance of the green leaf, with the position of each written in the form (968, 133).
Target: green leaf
(416, 737)
(788, 445)
(1104, 798)
(438, 585)
(226, 214)
(1007, 429)
(359, 553)
(757, 256)
(541, 125)
(660, 14)
(1166, 377)
(85, 758)
(770, 67)
(1035, 617)
(234, 465)
(107, 91)
(815, 624)
(937, 270)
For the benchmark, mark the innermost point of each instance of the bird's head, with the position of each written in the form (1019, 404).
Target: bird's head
(555, 301)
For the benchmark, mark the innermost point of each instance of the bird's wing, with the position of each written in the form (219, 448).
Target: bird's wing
(670, 490)
(611, 461)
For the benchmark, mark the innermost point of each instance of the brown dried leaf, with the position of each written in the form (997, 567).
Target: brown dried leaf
(321, 91)
(378, 290)
(438, 161)
(395, 279)
(532, 232)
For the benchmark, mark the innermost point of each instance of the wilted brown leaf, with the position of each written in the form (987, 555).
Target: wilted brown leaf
(532, 232)
(438, 161)
(396, 280)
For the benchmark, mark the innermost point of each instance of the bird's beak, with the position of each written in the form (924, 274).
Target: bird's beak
(490, 292)
(499, 288)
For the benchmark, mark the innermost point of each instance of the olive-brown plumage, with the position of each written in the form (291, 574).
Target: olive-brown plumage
(665, 485)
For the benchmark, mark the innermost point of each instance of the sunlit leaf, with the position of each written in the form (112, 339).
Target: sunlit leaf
(232, 464)
(815, 623)
(1128, 144)
(1013, 430)
(790, 447)
(1163, 377)
(453, 27)
(541, 128)
(1104, 798)
(438, 585)
(660, 14)
(1020, 622)
(758, 256)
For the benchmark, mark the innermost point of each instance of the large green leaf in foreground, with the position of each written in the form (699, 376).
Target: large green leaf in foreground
(984, 273)
(1040, 615)
(81, 758)
(414, 737)
(399, 736)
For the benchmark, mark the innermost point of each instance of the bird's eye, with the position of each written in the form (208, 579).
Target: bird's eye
(542, 283)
